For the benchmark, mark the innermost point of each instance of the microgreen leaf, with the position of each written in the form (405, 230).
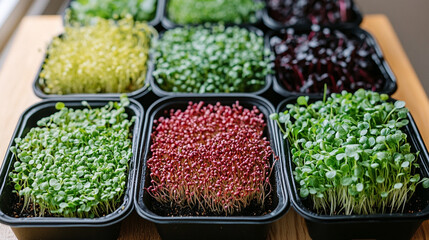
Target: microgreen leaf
(274, 116)
(346, 181)
(303, 192)
(331, 174)
(380, 179)
(59, 105)
(425, 182)
(398, 185)
(399, 104)
(302, 100)
(359, 187)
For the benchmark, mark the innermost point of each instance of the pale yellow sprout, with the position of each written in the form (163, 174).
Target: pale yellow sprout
(107, 57)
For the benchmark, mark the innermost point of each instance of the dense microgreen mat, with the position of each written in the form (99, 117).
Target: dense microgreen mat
(86, 11)
(210, 159)
(218, 59)
(75, 162)
(350, 153)
(315, 11)
(108, 57)
(200, 11)
(305, 62)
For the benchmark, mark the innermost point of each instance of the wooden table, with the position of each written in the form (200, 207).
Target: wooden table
(35, 33)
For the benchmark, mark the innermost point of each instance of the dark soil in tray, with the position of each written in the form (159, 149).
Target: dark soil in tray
(32, 210)
(253, 209)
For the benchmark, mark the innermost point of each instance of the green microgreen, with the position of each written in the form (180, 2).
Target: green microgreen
(75, 162)
(207, 60)
(108, 57)
(87, 11)
(350, 153)
(201, 11)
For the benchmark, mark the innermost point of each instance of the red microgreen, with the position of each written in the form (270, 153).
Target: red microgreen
(213, 158)
(315, 11)
(306, 62)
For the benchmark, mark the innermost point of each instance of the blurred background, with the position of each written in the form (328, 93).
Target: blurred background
(409, 18)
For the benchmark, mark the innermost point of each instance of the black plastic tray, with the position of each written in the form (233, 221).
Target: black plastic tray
(305, 24)
(210, 227)
(137, 94)
(268, 79)
(169, 24)
(155, 22)
(106, 227)
(375, 226)
(389, 87)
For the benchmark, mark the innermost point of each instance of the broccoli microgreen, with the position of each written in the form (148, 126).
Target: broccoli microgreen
(351, 153)
(211, 60)
(75, 162)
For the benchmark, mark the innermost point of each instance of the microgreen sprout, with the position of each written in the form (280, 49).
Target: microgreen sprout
(205, 60)
(350, 153)
(109, 57)
(87, 11)
(315, 11)
(213, 158)
(75, 162)
(201, 11)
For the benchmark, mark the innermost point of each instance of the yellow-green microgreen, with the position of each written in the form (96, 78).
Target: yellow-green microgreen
(351, 153)
(75, 162)
(108, 57)
(211, 60)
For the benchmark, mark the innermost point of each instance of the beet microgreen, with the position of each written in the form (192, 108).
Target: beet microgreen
(87, 11)
(315, 11)
(201, 11)
(306, 62)
(350, 153)
(213, 158)
(107, 57)
(75, 162)
(217, 59)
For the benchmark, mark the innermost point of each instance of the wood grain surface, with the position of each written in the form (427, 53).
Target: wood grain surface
(35, 33)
